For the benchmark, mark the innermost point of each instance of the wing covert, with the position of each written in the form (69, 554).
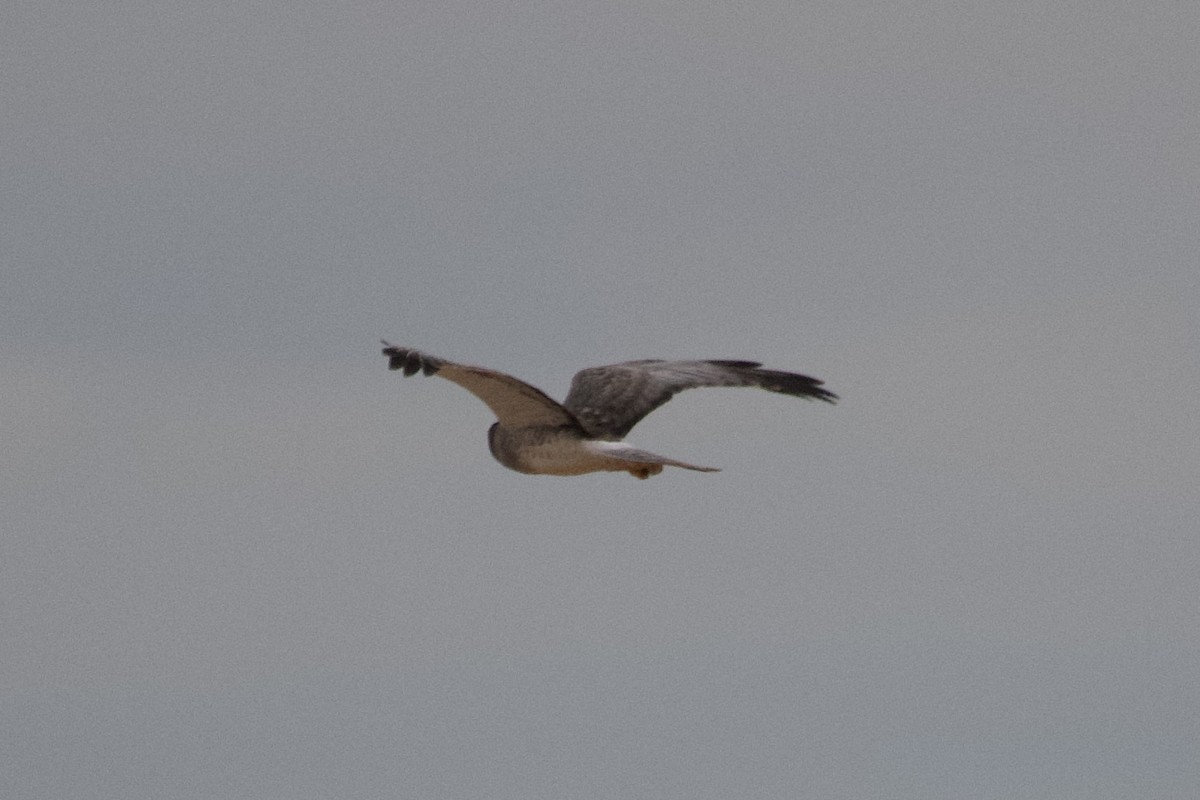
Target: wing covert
(608, 401)
(515, 403)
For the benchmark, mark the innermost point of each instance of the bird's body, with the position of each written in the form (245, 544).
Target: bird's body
(562, 451)
(536, 435)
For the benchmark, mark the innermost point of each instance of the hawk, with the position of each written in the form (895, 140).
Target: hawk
(538, 436)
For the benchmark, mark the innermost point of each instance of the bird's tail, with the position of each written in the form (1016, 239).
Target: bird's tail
(641, 463)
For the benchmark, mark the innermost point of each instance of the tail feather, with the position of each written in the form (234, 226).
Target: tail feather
(643, 463)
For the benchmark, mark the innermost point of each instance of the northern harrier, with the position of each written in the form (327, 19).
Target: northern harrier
(538, 436)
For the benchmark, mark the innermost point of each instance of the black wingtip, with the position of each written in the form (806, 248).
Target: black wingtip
(408, 360)
(814, 391)
(796, 385)
(827, 396)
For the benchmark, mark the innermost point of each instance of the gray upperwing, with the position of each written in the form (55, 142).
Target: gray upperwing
(515, 403)
(610, 400)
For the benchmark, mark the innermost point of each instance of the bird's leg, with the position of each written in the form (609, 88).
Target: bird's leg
(643, 471)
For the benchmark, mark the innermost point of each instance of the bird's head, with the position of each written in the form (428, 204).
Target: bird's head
(492, 443)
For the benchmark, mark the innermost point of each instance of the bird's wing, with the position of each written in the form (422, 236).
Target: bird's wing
(515, 403)
(610, 400)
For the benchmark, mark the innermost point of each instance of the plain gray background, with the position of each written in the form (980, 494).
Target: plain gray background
(242, 560)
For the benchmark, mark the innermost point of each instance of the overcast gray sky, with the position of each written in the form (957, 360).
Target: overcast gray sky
(241, 559)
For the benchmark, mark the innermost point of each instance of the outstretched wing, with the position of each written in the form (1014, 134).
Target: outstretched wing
(515, 403)
(610, 400)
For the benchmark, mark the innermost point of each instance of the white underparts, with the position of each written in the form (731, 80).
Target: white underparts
(556, 452)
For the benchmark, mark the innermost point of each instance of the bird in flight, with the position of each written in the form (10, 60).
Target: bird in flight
(538, 436)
